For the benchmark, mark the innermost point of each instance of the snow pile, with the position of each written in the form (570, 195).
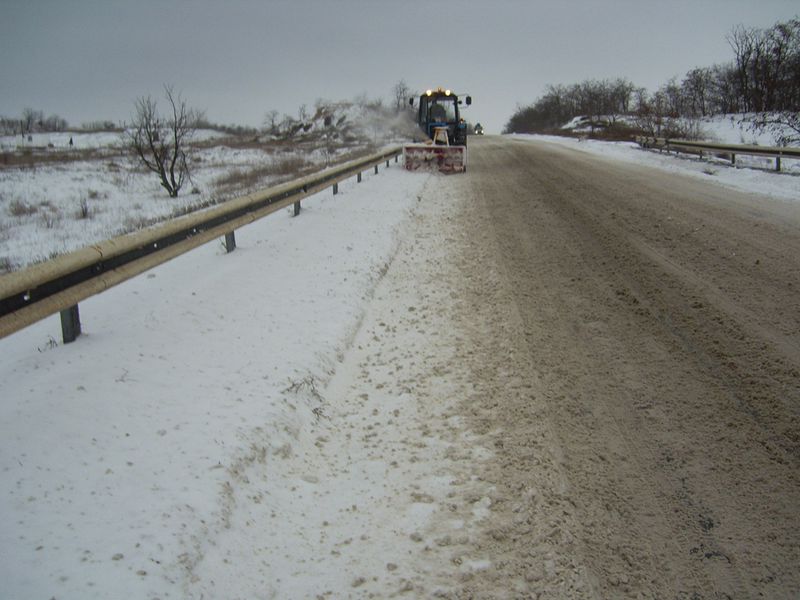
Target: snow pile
(584, 124)
(733, 129)
(347, 122)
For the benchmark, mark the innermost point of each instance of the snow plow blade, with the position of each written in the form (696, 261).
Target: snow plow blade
(431, 157)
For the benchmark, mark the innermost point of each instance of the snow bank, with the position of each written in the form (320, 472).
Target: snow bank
(120, 453)
(752, 174)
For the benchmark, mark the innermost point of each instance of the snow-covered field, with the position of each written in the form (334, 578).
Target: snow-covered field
(52, 208)
(82, 140)
(61, 191)
(166, 453)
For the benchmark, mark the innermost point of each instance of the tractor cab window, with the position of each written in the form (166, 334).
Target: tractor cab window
(443, 110)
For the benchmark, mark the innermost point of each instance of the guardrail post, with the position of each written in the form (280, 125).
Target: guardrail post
(733, 159)
(777, 163)
(335, 188)
(70, 324)
(230, 242)
(376, 169)
(358, 177)
(387, 163)
(297, 204)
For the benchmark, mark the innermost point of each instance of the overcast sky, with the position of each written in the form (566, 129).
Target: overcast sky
(237, 59)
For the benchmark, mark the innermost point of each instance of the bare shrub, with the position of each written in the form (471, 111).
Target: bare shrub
(50, 219)
(307, 383)
(6, 266)
(84, 212)
(783, 126)
(254, 177)
(293, 165)
(308, 386)
(236, 178)
(20, 208)
(132, 223)
(684, 129)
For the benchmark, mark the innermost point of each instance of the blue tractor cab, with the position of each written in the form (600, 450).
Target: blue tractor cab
(440, 109)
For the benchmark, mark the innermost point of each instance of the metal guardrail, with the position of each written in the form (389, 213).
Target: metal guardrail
(58, 285)
(730, 150)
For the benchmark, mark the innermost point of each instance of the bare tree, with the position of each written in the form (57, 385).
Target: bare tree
(302, 113)
(724, 94)
(55, 123)
(161, 144)
(271, 121)
(401, 94)
(696, 89)
(30, 120)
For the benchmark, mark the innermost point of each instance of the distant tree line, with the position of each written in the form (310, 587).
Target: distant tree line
(31, 121)
(763, 77)
(561, 103)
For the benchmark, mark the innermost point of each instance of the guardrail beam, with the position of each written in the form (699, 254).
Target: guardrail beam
(58, 285)
(727, 151)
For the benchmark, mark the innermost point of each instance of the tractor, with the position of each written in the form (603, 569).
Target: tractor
(444, 145)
